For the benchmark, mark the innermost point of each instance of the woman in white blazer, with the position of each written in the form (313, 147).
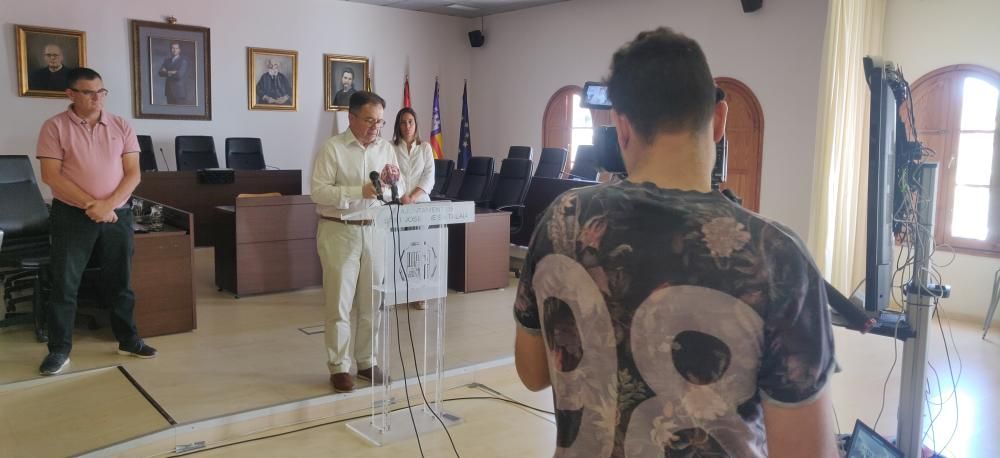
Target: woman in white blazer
(416, 164)
(416, 160)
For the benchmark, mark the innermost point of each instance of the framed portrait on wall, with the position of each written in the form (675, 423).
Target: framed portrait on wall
(171, 74)
(272, 79)
(44, 57)
(342, 76)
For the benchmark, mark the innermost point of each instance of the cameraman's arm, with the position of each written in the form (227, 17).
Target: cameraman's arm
(801, 430)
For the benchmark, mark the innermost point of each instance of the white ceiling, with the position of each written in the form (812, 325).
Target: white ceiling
(460, 8)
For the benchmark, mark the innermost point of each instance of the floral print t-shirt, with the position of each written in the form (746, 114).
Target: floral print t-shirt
(668, 317)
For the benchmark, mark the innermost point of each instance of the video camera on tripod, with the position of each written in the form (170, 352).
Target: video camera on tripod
(609, 155)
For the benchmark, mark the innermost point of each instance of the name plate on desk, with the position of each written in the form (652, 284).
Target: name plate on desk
(421, 214)
(216, 176)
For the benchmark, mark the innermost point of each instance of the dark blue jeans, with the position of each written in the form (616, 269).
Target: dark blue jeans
(75, 238)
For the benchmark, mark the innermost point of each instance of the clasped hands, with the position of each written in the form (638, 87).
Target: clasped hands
(101, 211)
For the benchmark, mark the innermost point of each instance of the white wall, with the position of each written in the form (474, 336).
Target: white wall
(430, 44)
(530, 54)
(923, 35)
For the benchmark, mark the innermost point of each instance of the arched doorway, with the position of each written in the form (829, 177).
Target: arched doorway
(745, 132)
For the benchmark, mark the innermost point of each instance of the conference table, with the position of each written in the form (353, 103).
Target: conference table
(184, 190)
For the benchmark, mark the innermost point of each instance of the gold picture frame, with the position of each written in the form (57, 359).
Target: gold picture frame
(335, 66)
(34, 75)
(280, 91)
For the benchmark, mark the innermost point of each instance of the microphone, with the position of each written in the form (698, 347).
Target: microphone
(378, 185)
(395, 192)
(164, 157)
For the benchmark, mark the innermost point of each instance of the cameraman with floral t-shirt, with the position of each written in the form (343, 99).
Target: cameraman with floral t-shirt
(668, 320)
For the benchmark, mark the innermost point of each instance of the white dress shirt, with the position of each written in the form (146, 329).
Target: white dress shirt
(341, 169)
(416, 166)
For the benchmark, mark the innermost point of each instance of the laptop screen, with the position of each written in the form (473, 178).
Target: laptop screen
(866, 443)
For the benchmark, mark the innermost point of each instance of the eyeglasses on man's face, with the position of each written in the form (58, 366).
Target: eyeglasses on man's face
(89, 93)
(372, 122)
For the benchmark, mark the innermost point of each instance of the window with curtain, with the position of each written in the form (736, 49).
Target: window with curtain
(956, 116)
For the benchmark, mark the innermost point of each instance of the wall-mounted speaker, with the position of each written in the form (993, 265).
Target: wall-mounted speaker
(476, 38)
(750, 6)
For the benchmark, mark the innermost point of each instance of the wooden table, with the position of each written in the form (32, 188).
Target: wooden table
(479, 252)
(267, 244)
(183, 191)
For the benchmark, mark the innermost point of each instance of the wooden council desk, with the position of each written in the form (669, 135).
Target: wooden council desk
(267, 244)
(163, 276)
(182, 190)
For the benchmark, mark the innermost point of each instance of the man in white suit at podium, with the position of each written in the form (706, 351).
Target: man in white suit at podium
(351, 260)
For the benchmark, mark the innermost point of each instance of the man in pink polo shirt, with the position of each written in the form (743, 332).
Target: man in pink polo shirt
(90, 159)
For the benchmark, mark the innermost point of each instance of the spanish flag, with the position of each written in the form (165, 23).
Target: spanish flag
(406, 92)
(437, 143)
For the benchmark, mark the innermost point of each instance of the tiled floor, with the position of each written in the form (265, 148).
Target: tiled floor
(249, 353)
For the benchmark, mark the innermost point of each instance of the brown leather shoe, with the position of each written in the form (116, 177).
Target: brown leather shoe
(372, 374)
(342, 382)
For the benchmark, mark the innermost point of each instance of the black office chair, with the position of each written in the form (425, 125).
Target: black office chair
(24, 252)
(520, 152)
(511, 184)
(454, 184)
(244, 153)
(16, 168)
(552, 162)
(476, 181)
(195, 152)
(147, 156)
(585, 163)
(443, 168)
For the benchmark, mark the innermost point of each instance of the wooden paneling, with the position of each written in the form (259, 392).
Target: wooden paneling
(479, 252)
(278, 265)
(264, 219)
(182, 190)
(163, 282)
(267, 244)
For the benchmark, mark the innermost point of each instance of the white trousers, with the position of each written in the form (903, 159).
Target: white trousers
(352, 259)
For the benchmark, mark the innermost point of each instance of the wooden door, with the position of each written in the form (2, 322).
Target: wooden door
(745, 132)
(557, 123)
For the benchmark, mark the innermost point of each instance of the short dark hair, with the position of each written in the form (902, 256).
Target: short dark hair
(347, 70)
(362, 98)
(661, 82)
(81, 73)
(397, 135)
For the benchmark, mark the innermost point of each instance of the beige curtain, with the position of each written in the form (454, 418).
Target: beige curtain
(837, 224)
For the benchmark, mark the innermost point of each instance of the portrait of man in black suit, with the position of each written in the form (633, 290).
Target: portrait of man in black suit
(176, 70)
(343, 96)
(342, 77)
(51, 77)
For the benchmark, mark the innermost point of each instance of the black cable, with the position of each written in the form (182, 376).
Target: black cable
(406, 389)
(333, 422)
(409, 327)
